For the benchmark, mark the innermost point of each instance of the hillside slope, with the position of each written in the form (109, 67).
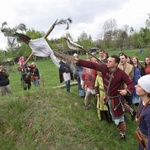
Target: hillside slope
(52, 119)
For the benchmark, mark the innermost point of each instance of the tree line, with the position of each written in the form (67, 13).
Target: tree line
(111, 38)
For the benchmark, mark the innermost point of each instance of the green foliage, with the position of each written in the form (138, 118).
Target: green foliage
(85, 41)
(33, 34)
(113, 38)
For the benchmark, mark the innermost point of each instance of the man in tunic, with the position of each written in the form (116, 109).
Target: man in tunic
(129, 70)
(113, 78)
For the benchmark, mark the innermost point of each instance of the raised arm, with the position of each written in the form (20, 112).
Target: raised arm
(96, 66)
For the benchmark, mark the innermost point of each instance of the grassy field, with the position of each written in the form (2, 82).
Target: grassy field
(46, 118)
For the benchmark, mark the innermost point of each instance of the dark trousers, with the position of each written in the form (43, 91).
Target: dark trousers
(128, 99)
(68, 85)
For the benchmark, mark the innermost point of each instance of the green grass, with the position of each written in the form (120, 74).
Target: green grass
(46, 118)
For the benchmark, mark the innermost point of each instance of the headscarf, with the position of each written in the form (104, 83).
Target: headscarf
(144, 82)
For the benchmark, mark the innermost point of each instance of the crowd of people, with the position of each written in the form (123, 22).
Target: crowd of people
(29, 74)
(116, 83)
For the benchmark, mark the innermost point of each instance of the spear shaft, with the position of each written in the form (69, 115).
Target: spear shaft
(81, 47)
(45, 36)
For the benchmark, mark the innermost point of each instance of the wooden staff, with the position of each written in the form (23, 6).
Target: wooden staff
(80, 47)
(91, 54)
(45, 36)
(50, 30)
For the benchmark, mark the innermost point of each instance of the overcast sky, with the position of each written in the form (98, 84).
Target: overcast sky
(87, 15)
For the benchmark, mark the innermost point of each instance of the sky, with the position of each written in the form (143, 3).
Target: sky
(87, 16)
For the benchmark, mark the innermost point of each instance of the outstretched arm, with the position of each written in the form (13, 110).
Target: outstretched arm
(92, 65)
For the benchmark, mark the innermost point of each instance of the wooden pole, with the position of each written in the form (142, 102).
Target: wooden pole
(80, 47)
(28, 59)
(45, 36)
(50, 30)
(91, 55)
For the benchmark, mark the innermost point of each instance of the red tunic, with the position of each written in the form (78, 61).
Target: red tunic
(112, 83)
(147, 69)
(89, 77)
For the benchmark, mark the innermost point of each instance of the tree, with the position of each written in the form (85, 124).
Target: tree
(10, 32)
(121, 37)
(147, 37)
(147, 22)
(85, 40)
(109, 28)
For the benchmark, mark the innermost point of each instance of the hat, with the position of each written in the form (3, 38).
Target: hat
(75, 55)
(144, 82)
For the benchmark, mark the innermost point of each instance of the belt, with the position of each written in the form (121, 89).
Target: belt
(119, 103)
(113, 96)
